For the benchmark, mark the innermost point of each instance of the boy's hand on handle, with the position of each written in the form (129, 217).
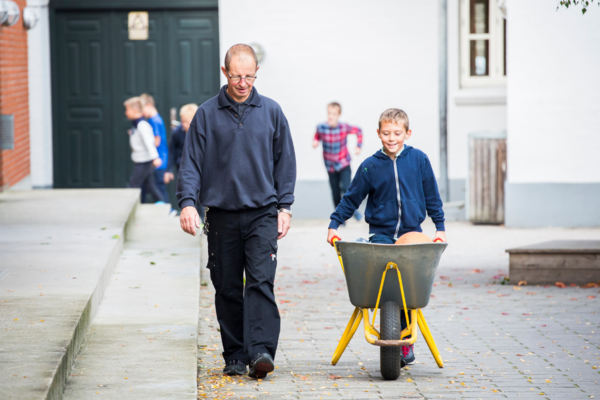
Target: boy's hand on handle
(440, 235)
(331, 234)
(189, 220)
(283, 224)
(315, 144)
(157, 162)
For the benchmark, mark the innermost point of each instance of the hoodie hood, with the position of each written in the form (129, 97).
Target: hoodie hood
(135, 122)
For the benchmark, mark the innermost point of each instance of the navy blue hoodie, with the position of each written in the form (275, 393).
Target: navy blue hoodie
(399, 193)
(238, 162)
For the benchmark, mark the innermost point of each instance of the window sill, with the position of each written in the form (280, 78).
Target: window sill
(480, 96)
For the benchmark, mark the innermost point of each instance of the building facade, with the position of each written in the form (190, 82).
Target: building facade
(507, 64)
(14, 107)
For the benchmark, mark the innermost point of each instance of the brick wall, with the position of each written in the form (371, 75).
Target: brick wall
(14, 99)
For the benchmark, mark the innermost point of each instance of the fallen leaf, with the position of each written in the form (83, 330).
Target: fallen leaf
(526, 313)
(591, 297)
(560, 285)
(522, 283)
(335, 377)
(531, 293)
(476, 285)
(505, 313)
(409, 380)
(589, 286)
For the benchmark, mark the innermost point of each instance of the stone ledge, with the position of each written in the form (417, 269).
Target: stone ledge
(567, 261)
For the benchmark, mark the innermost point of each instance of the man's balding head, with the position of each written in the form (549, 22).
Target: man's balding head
(241, 51)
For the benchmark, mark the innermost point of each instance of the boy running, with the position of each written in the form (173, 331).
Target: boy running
(333, 134)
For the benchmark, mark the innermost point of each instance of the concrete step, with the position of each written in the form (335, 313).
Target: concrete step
(142, 343)
(58, 249)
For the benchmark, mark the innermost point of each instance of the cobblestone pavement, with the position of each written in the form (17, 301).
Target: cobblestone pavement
(497, 341)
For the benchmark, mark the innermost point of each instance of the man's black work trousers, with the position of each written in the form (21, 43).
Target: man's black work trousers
(244, 241)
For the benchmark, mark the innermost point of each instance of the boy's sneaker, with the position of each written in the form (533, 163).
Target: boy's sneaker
(235, 367)
(408, 356)
(261, 365)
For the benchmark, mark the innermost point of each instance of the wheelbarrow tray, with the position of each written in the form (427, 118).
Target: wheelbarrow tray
(364, 264)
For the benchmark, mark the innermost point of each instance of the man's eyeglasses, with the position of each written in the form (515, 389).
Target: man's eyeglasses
(237, 79)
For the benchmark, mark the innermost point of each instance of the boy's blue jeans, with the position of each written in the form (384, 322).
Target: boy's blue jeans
(384, 239)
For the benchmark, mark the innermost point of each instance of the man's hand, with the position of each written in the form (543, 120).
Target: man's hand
(315, 144)
(157, 162)
(357, 150)
(440, 235)
(168, 177)
(331, 234)
(156, 141)
(189, 220)
(283, 224)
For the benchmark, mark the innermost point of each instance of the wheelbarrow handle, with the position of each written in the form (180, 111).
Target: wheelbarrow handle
(438, 240)
(335, 239)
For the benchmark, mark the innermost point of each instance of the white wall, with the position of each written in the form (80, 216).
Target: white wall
(469, 110)
(367, 55)
(40, 101)
(553, 93)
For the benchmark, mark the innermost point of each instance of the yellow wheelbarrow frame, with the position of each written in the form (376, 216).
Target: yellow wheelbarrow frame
(372, 335)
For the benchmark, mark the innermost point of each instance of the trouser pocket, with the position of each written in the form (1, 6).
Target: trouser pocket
(273, 261)
(213, 267)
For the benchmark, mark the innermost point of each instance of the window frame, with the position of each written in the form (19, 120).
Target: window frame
(496, 39)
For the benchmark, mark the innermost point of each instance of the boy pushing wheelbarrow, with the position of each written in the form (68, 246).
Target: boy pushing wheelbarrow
(401, 190)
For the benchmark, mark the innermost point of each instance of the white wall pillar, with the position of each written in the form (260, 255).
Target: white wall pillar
(40, 100)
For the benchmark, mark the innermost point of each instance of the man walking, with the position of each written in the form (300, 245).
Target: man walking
(239, 157)
(334, 135)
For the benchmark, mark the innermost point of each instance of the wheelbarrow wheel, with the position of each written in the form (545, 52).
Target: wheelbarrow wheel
(390, 330)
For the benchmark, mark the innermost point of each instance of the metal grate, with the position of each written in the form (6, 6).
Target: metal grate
(7, 132)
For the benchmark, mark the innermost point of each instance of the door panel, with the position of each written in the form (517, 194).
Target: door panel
(83, 113)
(98, 68)
(137, 67)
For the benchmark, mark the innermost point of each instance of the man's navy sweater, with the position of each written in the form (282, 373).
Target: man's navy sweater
(377, 179)
(238, 162)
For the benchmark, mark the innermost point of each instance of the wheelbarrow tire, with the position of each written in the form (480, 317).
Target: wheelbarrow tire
(390, 330)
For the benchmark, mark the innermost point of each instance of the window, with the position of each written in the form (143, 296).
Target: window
(482, 43)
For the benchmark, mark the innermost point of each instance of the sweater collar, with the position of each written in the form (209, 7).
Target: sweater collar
(402, 153)
(253, 100)
(135, 122)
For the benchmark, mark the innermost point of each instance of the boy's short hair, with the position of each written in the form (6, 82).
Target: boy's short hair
(188, 109)
(394, 116)
(145, 98)
(335, 104)
(134, 102)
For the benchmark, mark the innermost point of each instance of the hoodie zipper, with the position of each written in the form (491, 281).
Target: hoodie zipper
(398, 196)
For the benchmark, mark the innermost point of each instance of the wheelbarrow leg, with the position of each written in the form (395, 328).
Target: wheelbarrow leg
(429, 338)
(351, 328)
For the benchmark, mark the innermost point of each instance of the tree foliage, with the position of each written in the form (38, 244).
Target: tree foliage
(585, 4)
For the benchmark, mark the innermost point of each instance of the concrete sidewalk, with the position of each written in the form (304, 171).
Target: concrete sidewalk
(142, 343)
(497, 341)
(57, 252)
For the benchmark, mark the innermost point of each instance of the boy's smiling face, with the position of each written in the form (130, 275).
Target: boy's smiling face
(392, 137)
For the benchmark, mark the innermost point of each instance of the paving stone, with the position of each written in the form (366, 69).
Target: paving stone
(504, 338)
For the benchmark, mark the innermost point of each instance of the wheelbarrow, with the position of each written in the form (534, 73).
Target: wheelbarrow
(365, 266)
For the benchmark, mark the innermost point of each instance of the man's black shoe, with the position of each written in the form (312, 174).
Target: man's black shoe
(234, 367)
(261, 365)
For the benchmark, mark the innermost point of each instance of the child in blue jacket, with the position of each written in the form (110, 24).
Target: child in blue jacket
(401, 189)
